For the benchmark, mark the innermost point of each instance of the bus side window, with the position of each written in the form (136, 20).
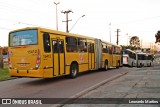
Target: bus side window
(46, 42)
(109, 50)
(82, 45)
(104, 49)
(55, 46)
(71, 44)
(61, 46)
(91, 47)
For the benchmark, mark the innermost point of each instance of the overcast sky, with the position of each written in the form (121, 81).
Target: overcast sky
(133, 17)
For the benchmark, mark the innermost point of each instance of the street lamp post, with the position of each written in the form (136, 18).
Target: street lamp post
(128, 39)
(141, 44)
(56, 14)
(76, 22)
(110, 31)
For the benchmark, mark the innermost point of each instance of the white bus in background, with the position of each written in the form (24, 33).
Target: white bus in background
(149, 60)
(129, 58)
(141, 59)
(144, 59)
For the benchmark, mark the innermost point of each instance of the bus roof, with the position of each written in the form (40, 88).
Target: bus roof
(141, 53)
(110, 43)
(130, 50)
(60, 33)
(53, 31)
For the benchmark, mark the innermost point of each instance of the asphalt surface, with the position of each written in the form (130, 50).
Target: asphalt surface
(116, 83)
(57, 87)
(138, 83)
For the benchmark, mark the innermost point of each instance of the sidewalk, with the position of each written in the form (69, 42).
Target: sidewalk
(138, 83)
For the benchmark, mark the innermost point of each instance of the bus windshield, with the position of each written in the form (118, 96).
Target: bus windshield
(25, 37)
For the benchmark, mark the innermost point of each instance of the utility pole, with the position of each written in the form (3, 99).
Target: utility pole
(118, 30)
(66, 12)
(56, 15)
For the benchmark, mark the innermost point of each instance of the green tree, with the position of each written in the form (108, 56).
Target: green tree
(157, 35)
(134, 41)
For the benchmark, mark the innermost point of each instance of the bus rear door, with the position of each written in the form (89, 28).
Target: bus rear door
(91, 56)
(58, 55)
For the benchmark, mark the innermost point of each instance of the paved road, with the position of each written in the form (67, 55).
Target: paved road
(137, 83)
(55, 88)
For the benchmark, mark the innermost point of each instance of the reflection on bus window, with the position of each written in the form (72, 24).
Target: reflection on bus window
(141, 57)
(82, 45)
(104, 48)
(71, 44)
(91, 47)
(58, 46)
(61, 46)
(27, 37)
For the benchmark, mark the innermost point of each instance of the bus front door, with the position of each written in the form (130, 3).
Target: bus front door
(91, 56)
(58, 57)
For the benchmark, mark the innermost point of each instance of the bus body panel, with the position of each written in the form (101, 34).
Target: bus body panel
(91, 44)
(54, 52)
(26, 73)
(115, 60)
(23, 53)
(105, 57)
(58, 55)
(144, 59)
(149, 60)
(99, 56)
(24, 58)
(111, 53)
(125, 59)
(129, 58)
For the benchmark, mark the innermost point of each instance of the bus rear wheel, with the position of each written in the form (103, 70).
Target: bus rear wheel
(141, 65)
(132, 64)
(118, 65)
(73, 70)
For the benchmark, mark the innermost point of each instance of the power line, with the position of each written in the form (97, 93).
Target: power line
(11, 6)
(5, 28)
(19, 22)
(17, 10)
(139, 20)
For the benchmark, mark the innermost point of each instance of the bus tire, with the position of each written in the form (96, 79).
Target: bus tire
(73, 70)
(141, 65)
(118, 65)
(106, 66)
(132, 64)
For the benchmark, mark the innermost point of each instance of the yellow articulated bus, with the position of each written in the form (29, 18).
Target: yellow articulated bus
(44, 53)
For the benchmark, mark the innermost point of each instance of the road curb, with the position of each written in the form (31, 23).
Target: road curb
(89, 89)
(7, 79)
(97, 85)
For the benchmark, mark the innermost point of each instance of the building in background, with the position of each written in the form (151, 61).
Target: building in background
(150, 46)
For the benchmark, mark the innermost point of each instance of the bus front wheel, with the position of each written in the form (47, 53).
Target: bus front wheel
(73, 70)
